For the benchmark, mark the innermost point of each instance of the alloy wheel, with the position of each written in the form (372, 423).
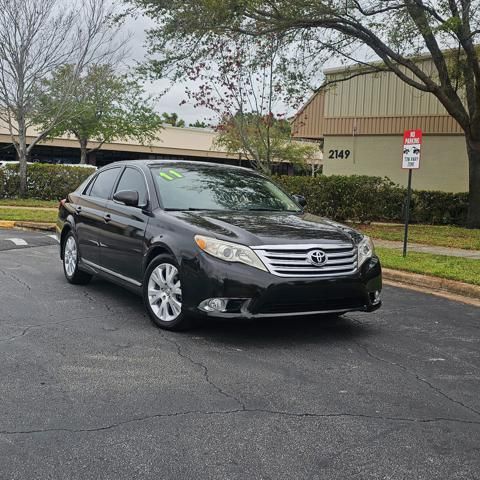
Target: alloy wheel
(70, 256)
(165, 292)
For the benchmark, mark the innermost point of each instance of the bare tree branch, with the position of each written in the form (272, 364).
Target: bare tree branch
(37, 37)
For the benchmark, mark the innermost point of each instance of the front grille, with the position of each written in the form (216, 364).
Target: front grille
(293, 261)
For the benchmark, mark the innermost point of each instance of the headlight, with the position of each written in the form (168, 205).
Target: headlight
(365, 250)
(230, 252)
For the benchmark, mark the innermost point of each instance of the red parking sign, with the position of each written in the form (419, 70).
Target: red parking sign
(412, 145)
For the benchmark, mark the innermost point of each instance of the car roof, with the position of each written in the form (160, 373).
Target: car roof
(160, 162)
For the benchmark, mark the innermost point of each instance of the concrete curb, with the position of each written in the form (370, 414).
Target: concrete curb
(7, 224)
(433, 283)
(45, 227)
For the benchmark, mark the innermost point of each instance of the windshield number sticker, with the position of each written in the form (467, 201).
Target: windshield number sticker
(171, 175)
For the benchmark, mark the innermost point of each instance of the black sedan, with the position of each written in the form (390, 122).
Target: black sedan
(205, 239)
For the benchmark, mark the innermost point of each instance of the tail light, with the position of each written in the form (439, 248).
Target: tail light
(62, 203)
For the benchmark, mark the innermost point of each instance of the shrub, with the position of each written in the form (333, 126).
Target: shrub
(44, 181)
(361, 198)
(356, 198)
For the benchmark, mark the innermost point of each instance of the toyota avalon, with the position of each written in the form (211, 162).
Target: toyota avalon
(197, 239)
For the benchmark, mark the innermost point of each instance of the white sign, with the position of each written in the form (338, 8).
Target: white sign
(412, 145)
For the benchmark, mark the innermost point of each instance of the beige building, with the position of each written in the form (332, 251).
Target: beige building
(172, 142)
(361, 120)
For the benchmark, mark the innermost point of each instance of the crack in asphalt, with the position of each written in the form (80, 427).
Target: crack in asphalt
(417, 376)
(88, 297)
(206, 374)
(237, 411)
(27, 328)
(18, 280)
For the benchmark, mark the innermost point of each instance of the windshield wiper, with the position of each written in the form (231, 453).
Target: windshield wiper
(269, 210)
(191, 209)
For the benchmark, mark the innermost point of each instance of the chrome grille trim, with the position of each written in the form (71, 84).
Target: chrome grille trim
(291, 260)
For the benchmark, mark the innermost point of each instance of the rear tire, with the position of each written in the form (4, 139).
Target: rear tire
(71, 257)
(162, 294)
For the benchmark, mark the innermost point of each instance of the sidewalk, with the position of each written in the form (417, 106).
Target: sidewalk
(417, 247)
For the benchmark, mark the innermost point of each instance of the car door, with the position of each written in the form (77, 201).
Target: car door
(89, 214)
(122, 241)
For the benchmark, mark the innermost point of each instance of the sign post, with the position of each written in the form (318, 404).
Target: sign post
(412, 144)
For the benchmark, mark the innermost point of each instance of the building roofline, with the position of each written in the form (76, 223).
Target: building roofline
(307, 103)
(208, 130)
(358, 66)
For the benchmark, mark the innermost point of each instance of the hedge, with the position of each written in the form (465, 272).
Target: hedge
(44, 181)
(361, 198)
(355, 198)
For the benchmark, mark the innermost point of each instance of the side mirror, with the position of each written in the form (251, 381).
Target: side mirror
(128, 197)
(300, 199)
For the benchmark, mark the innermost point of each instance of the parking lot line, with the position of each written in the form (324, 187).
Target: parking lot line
(18, 241)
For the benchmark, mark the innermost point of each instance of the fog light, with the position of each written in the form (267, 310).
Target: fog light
(224, 305)
(214, 305)
(375, 297)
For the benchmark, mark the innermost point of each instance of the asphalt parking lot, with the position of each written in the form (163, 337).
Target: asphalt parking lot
(91, 390)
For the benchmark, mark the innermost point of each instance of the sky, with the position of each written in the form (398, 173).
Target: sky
(171, 100)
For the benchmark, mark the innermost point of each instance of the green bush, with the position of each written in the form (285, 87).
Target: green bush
(44, 181)
(361, 198)
(356, 198)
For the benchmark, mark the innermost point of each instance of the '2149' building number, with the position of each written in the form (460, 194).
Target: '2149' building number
(338, 153)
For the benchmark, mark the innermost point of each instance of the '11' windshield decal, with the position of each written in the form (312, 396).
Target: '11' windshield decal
(171, 175)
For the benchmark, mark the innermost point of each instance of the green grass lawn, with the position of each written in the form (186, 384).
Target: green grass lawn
(28, 215)
(29, 202)
(454, 268)
(439, 235)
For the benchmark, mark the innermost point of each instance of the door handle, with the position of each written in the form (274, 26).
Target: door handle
(107, 217)
(78, 209)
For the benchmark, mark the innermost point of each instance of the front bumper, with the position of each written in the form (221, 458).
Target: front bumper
(266, 295)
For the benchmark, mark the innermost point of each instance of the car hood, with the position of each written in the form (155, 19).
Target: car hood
(268, 228)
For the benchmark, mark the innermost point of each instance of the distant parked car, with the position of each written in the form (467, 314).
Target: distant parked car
(203, 239)
(4, 163)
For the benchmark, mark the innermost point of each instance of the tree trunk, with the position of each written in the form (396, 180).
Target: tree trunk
(22, 157)
(83, 151)
(473, 150)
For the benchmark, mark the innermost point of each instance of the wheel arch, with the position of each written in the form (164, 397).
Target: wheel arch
(154, 251)
(67, 227)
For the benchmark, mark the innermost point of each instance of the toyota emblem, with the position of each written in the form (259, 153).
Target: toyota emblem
(317, 258)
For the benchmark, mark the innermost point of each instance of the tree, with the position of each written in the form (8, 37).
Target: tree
(239, 81)
(198, 124)
(36, 37)
(104, 106)
(264, 140)
(386, 35)
(173, 120)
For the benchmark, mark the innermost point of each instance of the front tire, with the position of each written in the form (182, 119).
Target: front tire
(162, 294)
(70, 262)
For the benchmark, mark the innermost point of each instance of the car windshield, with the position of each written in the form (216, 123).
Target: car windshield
(202, 187)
